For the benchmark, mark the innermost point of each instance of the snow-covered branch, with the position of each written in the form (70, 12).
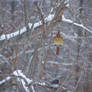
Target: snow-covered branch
(18, 73)
(49, 18)
(20, 77)
(23, 30)
(5, 80)
(33, 88)
(74, 23)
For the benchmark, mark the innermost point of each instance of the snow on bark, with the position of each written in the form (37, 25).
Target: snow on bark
(18, 73)
(33, 89)
(21, 78)
(5, 80)
(39, 23)
(23, 30)
(76, 24)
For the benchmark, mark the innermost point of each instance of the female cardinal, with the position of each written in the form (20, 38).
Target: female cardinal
(58, 40)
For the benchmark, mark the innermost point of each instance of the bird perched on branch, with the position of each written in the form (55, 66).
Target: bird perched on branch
(54, 83)
(58, 41)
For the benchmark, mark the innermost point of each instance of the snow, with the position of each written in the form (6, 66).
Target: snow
(49, 18)
(21, 78)
(33, 89)
(41, 83)
(66, 20)
(30, 25)
(14, 34)
(67, 3)
(30, 60)
(23, 30)
(55, 85)
(5, 80)
(51, 10)
(54, 62)
(86, 29)
(76, 24)
(39, 23)
(64, 88)
(67, 64)
(24, 85)
(19, 73)
(30, 51)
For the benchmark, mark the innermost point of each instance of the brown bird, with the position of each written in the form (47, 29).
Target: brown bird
(58, 41)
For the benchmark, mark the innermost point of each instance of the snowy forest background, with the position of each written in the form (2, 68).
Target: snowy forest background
(28, 60)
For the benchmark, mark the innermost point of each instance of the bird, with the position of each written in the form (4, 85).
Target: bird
(58, 41)
(54, 83)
